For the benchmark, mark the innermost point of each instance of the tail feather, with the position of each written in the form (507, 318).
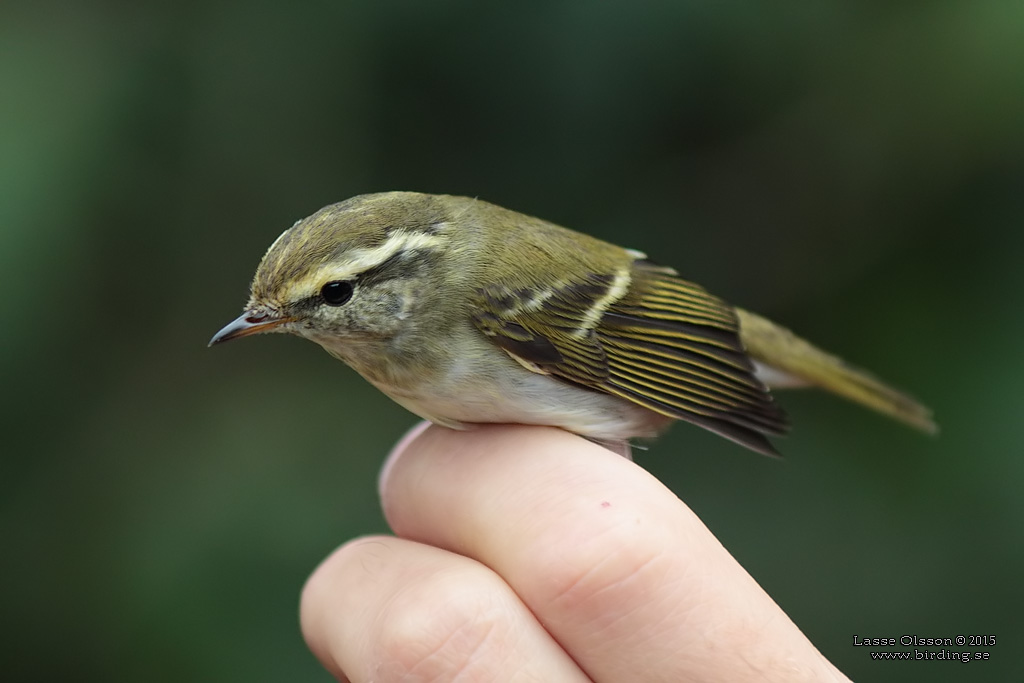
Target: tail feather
(791, 361)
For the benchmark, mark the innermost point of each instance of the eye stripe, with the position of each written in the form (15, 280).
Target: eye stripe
(359, 261)
(402, 264)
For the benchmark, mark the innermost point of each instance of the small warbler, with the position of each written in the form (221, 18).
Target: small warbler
(465, 312)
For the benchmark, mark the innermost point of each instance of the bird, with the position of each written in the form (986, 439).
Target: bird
(468, 313)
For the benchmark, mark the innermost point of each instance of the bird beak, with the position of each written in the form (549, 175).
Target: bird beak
(250, 322)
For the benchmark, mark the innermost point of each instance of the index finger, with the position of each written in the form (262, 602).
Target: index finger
(616, 567)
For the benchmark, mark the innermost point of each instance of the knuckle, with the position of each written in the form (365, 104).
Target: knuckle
(451, 627)
(610, 573)
(370, 553)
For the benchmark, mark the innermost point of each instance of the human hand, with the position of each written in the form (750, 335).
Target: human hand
(528, 553)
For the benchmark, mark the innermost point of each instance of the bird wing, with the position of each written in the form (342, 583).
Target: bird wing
(643, 334)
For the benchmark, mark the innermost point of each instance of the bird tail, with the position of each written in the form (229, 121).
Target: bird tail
(786, 360)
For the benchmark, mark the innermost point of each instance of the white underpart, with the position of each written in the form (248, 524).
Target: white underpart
(777, 379)
(476, 391)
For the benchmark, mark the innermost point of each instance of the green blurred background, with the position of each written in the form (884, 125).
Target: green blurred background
(852, 169)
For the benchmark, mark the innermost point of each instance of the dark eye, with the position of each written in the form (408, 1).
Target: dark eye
(337, 292)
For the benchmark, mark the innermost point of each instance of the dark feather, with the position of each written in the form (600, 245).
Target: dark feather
(665, 344)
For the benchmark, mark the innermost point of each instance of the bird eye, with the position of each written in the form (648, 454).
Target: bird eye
(337, 292)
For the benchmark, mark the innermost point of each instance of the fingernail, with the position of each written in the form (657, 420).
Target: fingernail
(396, 453)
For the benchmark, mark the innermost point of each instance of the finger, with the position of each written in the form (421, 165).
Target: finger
(617, 568)
(386, 609)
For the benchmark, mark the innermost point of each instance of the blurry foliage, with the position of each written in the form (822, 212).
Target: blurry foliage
(853, 169)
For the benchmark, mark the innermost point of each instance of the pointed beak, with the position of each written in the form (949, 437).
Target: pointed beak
(250, 322)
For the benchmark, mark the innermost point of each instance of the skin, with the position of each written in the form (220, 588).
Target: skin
(531, 554)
